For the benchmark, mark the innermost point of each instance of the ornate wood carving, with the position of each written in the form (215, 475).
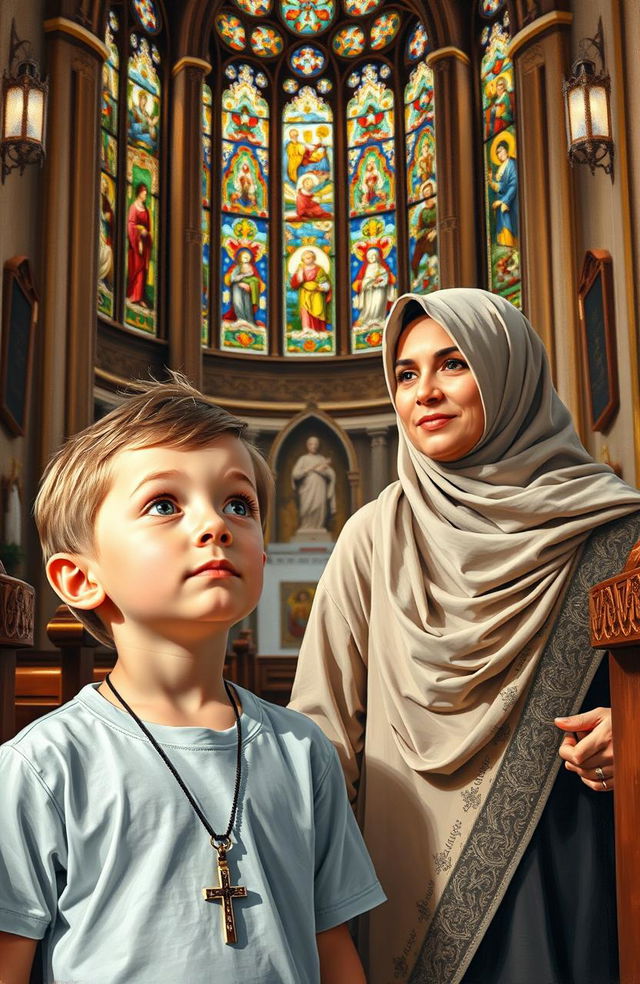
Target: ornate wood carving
(614, 611)
(17, 601)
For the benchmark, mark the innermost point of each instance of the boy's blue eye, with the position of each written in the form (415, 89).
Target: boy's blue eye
(238, 506)
(163, 507)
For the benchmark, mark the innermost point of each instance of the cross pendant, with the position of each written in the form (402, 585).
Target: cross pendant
(225, 893)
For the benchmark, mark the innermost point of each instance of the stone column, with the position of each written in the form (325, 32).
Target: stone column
(379, 459)
(541, 58)
(185, 268)
(457, 237)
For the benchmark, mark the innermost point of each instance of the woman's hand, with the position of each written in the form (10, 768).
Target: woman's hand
(588, 748)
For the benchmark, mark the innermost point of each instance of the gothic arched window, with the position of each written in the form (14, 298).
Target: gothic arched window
(130, 179)
(335, 97)
(502, 216)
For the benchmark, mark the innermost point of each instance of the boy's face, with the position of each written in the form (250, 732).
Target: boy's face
(177, 540)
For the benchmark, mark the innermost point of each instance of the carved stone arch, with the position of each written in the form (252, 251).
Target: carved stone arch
(336, 444)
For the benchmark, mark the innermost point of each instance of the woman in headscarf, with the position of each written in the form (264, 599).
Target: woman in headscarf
(448, 634)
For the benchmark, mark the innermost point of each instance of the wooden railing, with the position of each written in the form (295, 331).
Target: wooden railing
(614, 608)
(17, 599)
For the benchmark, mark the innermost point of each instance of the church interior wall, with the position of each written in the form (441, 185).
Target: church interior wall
(605, 218)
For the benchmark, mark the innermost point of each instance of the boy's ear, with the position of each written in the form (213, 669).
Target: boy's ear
(71, 578)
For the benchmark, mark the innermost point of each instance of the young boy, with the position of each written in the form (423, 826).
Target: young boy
(212, 840)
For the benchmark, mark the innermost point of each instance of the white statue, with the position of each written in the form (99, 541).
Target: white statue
(314, 480)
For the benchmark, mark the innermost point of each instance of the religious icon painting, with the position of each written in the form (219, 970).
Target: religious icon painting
(307, 61)
(309, 292)
(244, 276)
(296, 599)
(502, 208)
(141, 261)
(231, 30)
(307, 17)
(358, 8)
(384, 29)
(107, 213)
(374, 278)
(423, 243)
(244, 179)
(266, 42)
(148, 15)
(372, 178)
(417, 43)
(349, 41)
(421, 162)
(255, 8)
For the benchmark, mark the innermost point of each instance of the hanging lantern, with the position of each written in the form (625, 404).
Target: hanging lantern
(24, 106)
(588, 111)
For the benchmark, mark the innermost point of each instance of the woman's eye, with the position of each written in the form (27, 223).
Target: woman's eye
(163, 507)
(455, 364)
(238, 507)
(405, 375)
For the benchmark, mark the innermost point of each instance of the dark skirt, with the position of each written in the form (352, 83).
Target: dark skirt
(557, 921)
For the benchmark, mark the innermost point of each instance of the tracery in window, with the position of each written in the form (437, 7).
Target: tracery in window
(207, 131)
(244, 211)
(500, 160)
(308, 222)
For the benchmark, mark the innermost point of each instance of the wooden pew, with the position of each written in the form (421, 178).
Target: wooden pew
(614, 608)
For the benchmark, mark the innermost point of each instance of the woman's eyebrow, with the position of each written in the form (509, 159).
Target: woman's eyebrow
(437, 355)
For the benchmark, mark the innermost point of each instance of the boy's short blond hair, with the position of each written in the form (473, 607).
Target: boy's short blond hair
(77, 478)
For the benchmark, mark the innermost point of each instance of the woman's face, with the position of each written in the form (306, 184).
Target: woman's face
(437, 398)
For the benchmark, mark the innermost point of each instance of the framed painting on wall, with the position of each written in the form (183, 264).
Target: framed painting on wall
(598, 339)
(19, 317)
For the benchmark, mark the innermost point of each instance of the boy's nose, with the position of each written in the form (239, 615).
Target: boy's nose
(215, 530)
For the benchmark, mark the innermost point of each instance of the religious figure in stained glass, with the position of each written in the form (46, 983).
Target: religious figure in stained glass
(244, 292)
(372, 179)
(375, 290)
(311, 279)
(144, 117)
(109, 169)
(374, 276)
(501, 171)
(107, 231)
(140, 242)
(421, 180)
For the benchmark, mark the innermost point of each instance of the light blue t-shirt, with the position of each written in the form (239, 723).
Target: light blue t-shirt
(101, 851)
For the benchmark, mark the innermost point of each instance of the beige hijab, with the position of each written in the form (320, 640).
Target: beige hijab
(471, 558)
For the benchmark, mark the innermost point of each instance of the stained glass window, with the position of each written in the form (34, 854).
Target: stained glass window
(307, 17)
(422, 188)
(372, 202)
(143, 184)
(500, 162)
(308, 219)
(244, 238)
(131, 109)
(108, 169)
(207, 130)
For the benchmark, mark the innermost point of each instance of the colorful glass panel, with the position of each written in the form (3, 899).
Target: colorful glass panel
(290, 86)
(417, 43)
(143, 185)
(207, 130)
(324, 85)
(245, 211)
(358, 8)
(500, 161)
(374, 276)
(307, 16)
(109, 169)
(307, 61)
(372, 200)
(422, 187)
(308, 225)
(256, 8)
(231, 30)
(349, 41)
(147, 14)
(266, 41)
(384, 29)
(490, 7)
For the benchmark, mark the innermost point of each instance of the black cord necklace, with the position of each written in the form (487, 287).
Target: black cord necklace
(225, 892)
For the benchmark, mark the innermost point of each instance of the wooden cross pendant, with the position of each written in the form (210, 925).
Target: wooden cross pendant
(225, 893)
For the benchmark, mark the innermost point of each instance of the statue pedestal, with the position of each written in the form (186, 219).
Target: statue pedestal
(291, 575)
(308, 535)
